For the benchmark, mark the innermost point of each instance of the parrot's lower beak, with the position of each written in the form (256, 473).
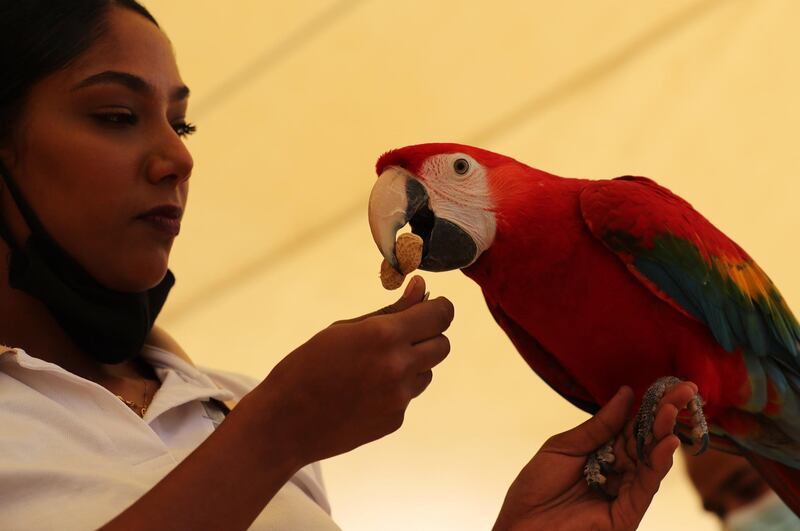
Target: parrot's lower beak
(398, 198)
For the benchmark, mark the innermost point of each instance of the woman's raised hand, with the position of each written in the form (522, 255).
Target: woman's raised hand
(352, 382)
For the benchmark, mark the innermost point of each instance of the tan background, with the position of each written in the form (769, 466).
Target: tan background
(295, 101)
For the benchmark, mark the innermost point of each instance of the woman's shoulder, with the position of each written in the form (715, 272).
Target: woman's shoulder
(238, 384)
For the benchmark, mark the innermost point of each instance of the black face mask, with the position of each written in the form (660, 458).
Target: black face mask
(109, 325)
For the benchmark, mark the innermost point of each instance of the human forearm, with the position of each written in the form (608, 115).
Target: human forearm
(224, 483)
(347, 386)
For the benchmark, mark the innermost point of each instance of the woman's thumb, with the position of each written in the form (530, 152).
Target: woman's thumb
(413, 294)
(602, 427)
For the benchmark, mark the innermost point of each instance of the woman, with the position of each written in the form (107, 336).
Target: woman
(104, 422)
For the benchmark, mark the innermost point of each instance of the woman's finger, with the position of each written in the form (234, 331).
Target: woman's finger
(425, 320)
(679, 394)
(664, 424)
(598, 430)
(430, 353)
(420, 382)
(648, 478)
(674, 400)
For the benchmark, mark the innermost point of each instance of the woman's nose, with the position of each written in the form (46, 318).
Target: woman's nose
(170, 158)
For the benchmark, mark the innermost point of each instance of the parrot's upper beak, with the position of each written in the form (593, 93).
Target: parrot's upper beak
(399, 198)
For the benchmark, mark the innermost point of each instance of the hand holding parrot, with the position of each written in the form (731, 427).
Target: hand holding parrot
(551, 493)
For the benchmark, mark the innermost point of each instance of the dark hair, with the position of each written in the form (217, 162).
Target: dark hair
(40, 37)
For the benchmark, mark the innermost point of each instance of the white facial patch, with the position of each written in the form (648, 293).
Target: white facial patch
(463, 199)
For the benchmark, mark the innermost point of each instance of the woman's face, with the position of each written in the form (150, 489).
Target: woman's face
(99, 144)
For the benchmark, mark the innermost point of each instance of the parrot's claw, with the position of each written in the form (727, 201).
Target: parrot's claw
(699, 426)
(598, 465)
(643, 425)
(685, 439)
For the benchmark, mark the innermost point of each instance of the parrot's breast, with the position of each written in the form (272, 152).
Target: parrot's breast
(581, 304)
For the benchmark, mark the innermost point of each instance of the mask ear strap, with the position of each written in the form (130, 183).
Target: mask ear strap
(23, 206)
(5, 232)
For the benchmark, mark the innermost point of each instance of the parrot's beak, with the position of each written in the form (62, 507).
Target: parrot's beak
(399, 198)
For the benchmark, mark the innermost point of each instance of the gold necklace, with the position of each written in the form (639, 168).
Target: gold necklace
(136, 408)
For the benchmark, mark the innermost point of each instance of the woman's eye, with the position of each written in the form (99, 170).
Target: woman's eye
(116, 118)
(461, 166)
(184, 129)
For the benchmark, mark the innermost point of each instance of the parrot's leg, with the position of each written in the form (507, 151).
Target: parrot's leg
(643, 425)
(598, 464)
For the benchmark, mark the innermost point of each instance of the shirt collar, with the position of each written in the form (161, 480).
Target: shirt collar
(169, 367)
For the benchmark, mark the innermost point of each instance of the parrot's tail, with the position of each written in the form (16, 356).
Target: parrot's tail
(784, 480)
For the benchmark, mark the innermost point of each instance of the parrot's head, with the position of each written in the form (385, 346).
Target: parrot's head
(447, 193)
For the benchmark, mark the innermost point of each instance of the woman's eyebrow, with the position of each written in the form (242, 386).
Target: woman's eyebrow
(130, 81)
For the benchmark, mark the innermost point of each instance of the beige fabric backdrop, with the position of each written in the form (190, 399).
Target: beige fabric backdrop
(295, 101)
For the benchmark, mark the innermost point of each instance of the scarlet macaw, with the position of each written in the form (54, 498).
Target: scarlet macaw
(603, 283)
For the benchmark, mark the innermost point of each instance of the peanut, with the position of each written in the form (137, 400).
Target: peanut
(408, 250)
(390, 278)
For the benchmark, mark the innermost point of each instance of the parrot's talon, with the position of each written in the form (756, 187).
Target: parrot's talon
(685, 439)
(591, 471)
(699, 425)
(598, 466)
(703, 444)
(643, 425)
(640, 447)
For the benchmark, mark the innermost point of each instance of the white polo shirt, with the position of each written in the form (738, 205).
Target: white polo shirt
(73, 456)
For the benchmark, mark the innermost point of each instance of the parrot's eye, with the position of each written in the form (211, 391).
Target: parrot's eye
(461, 166)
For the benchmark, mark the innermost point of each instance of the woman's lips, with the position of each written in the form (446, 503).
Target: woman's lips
(165, 218)
(171, 226)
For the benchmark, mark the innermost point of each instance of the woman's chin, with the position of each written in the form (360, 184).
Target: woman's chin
(133, 279)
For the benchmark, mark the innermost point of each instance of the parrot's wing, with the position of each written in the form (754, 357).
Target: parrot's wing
(686, 261)
(542, 362)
